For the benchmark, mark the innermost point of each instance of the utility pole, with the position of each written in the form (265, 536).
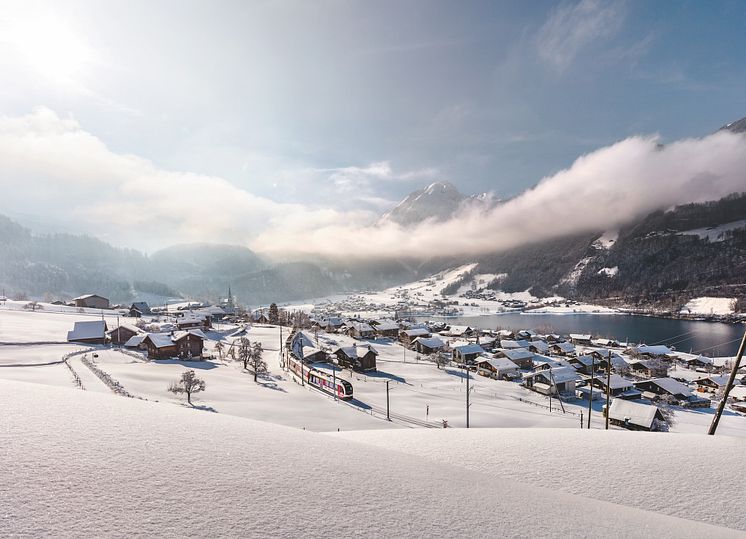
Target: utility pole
(119, 329)
(590, 395)
(608, 387)
(388, 416)
(721, 406)
(334, 376)
(466, 367)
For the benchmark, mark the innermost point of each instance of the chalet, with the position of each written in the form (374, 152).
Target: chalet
(181, 344)
(299, 343)
(563, 348)
(539, 347)
(552, 381)
(193, 321)
(487, 343)
(89, 332)
(577, 338)
(520, 356)
(428, 345)
(635, 415)
(602, 359)
(499, 368)
(385, 328)
(407, 336)
(505, 334)
(543, 362)
(699, 362)
(648, 368)
(510, 343)
(260, 317)
(618, 387)
(135, 341)
(92, 301)
(714, 383)
(552, 338)
(526, 335)
(360, 330)
(466, 353)
(122, 334)
(361, 358)
(139, 308)
(605, 343)
(658, 351)
(311, 354)
(738, 393)
(585, 364)
(460, 331)
(669, 388)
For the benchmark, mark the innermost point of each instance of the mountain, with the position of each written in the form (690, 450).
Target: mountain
(661, 260)
(439, 201)
(739, 126)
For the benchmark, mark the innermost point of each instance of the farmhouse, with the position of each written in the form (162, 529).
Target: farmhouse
(552, 381)
(90, 332)
(668, 387)
(498, 368)
(466, 353)
(407, 336)
(563, 348)
(385, 328)
(618, 387)
(428, 345)
(699, 362)
(520, 356)
(509, 343)
(658, 351)
(648, 368)
(193, 321)
(635, 415)
(139, 308)
(122, 334)
(92, 301)
(714, 383)
(539, 347)
(577, 338)
(361, 330)
(361, 358)
(182, 344)
(460, 331)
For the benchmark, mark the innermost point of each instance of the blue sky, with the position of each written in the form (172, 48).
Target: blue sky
(340, 106)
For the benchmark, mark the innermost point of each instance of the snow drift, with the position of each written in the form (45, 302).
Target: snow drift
(82, 464)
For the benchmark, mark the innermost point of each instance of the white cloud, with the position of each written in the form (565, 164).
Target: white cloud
(572, 27)
(602, 190)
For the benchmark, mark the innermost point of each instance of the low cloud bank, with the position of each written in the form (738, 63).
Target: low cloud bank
(51, 167)
(601, 190)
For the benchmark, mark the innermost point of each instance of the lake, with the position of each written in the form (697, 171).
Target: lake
(707, 338)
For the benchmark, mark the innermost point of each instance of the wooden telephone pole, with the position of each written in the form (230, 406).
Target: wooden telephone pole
(721, 406)
(608, 388)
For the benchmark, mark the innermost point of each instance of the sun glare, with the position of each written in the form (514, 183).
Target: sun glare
(50, 47)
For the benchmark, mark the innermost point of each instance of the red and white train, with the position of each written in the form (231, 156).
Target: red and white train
(320, 379)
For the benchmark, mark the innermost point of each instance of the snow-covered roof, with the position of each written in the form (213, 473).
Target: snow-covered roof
(430, 342)
(470, 348)
(657, 350)
(500, 363)
(672, 386)
(356, 351)
(91, 329)
(616, 381)
(386, 325)
(721, 380)
(128, 327)
(563, 374)
(160, 340)
(416, 332)
(135, 341)
(517, 354)
(88, 296)
(580, 337)
(541, 346)
(361, 327)
(508, 343)
(636, 413)
(565, 346)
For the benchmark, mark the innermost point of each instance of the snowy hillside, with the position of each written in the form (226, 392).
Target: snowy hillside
(82, 464)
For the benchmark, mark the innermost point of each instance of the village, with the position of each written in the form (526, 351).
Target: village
(373, 369)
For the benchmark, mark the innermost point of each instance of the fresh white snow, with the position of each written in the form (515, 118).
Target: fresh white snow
(709, 306)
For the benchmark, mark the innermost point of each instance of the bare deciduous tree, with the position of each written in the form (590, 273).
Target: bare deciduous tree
(189, 384)
(244, 352)
(257, 363)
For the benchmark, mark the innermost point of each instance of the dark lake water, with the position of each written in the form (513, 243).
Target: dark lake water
(707, 338)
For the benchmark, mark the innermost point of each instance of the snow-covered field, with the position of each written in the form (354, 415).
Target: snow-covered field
(82, 464)
(710, 306)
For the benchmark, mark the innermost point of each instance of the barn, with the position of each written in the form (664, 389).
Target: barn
(635, 415)
(361, 358)
(89, 332)
(122, 334)
(92, 301)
